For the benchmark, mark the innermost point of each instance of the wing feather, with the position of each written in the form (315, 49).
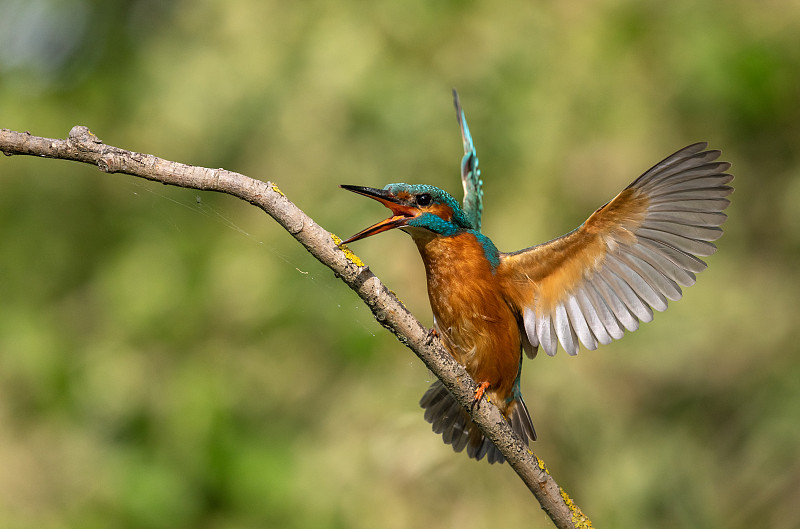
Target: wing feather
(700, 178)
(632, 256)
(689, 262)
(564, 331)
(688, 245)
(594, 318)
(696, 218)
(705, 169)
(578, 321)
(639, 296)
(606, 316)
(664, 265)
(668, 163)
(546, 333)
(678, 162)
(529, 321)
(701, 233)
(696, 206)
(621, 310)
(657, 280)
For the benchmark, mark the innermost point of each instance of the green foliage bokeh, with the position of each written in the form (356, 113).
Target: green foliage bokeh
(172, 358)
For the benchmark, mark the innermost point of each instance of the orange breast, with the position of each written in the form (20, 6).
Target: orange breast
(475, 323)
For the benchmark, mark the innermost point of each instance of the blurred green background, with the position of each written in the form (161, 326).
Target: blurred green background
(172, 358)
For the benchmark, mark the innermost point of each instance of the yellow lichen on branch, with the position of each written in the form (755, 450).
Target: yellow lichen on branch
(579, 520)
(353, 258)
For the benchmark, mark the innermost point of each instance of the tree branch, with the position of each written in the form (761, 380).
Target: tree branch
(83, 146)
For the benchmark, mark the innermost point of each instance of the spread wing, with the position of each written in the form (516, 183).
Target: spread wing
(630, 257)
(470, 174)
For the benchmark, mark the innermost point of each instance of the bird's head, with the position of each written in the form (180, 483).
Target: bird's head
(414, 206)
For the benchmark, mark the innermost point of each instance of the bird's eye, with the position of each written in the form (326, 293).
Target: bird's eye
(424, 199)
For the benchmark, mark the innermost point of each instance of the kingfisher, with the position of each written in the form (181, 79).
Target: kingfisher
(492, 308)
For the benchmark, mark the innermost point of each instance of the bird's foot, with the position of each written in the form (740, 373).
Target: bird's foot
(432, 333)
(479, 393)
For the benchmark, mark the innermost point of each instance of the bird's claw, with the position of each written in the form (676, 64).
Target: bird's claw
(432, 333)
(479, 393)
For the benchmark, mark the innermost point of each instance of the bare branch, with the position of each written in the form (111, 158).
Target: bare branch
(83, 146)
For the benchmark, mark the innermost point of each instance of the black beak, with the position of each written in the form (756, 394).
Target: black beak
(401, 213)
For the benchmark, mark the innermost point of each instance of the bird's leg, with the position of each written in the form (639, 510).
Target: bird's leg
(479, 393)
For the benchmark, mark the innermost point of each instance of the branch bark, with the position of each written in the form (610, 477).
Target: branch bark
(83, 146)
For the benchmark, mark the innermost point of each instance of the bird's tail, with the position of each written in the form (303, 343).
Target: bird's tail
(454, 423)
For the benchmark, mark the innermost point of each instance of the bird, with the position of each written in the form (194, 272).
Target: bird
(492, 308)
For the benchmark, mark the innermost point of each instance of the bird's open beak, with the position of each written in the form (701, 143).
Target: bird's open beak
(401, 213)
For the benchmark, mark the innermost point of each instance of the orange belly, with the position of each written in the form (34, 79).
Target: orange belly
(475, 323)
